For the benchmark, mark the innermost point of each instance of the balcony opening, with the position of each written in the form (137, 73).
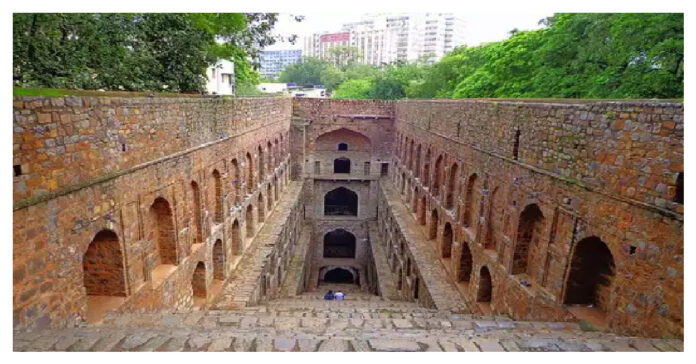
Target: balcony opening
(341, 202)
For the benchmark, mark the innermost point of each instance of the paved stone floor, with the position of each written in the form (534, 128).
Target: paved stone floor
(306, 322)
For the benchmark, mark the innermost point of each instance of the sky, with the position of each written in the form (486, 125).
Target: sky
(478, 27)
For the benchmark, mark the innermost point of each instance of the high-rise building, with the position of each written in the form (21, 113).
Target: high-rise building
(386, 38)
(274, 62)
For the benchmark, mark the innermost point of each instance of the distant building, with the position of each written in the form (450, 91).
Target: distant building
(318, 45)
(274, 62)
(220, 78)
(386, 38)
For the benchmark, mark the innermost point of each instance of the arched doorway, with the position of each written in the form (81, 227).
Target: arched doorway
(262, 164)
(341, 202)
(250, 173)
(465, 264)
(339, 275)
(218, 260)
(529, 231)
(485, 288)
(236, 238)
(591, 274)
(432, 229)
(198, 224)
(237, 181)
(198, 285)
(447, 241)
(451, 186)
(162, 225)
(103, 275)
(437, 178)
(416, 171)
(218, 215)
(249, 218)
(342, 165)
(471, 202)
(426, 169)
(339, 243)
(494, 222)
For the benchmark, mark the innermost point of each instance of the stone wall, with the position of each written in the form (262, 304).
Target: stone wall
(519, 208)
(91, 165)
(361, 132)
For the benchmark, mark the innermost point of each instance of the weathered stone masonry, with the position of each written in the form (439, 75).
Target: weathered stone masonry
(532, 208)
(527, 187)
(176, 182)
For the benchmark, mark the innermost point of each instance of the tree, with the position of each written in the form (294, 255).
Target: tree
(353, 89)
(331, 77)
(152, 51)
(307, 72)
(342, 57)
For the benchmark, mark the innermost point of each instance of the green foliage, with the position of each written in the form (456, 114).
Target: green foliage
(307, 72)
(354, 89)
(331, 77)
(343, 57)
(573, 56)
(152, 51)
(583, 56)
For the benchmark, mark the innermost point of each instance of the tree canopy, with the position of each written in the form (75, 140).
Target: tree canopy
(572, 56)
(135, 52)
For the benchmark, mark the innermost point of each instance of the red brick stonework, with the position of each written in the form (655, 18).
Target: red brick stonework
(529, 209)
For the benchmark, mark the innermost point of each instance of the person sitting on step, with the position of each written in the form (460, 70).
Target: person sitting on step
(329, 295)
(338, 296)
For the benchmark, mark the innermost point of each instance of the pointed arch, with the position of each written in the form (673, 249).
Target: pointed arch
(198, 281)
(102, 266)
(485, 287)
(249, 173)
(452, 186)
(249, 220)
(426, 169)
(339, 243)
(471, 202)
(341, 202)
(494, 222)
(162, 227)
(465, 264)
(197, 212)
(417, 170)
(591, 274)
(447, 237)
(218, 260)
(217, 179)
(437, 178)
(236, 238)
(529, 230)
(236, 181)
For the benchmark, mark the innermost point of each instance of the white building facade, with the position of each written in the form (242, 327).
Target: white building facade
(387, 38)
(221, 79)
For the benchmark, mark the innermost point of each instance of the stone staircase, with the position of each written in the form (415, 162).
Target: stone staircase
(362, 322)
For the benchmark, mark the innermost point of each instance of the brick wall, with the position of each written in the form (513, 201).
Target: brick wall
(604, 170)
(77, 181)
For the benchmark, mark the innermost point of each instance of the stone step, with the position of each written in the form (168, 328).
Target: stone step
(220, 331)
